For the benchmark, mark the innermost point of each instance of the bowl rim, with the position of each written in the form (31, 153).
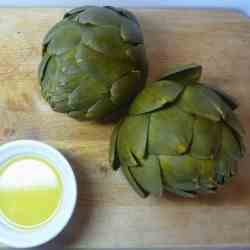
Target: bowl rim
(26, 238)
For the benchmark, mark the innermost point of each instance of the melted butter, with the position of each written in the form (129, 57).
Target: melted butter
(30, 191)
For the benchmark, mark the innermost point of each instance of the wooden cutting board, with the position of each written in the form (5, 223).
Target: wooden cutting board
(109, 213)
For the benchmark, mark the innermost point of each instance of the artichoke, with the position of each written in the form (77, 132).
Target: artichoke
(179, 136)
(93, 62)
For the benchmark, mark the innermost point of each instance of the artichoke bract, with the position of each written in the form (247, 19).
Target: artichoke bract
(93, 62)
(179, 136)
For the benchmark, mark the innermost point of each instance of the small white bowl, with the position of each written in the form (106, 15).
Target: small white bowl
(41, 234)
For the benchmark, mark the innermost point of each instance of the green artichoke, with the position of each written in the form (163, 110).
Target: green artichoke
(179, 136)
(93, 62)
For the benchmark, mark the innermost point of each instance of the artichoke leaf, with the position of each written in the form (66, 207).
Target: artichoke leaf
(43, 66)
(77, 10)
(130, 32)
(54, 98)
(137, 54)
(220, 179)
(50, 73)
(170, 131)
(61, 43)
(53, 31)
(88, 92)
(68, 64)
(132, 140)
(78, 115)
(60, 106)
(185, 74)
(187, 186)
(123, 12)
(100, 66)
(105, 40)
(113, 154)
(149, 175)
(230, 146)
(201, 101)
(155, 96)
(206, 138)
(102, 107)
(137, 188)
(207, 174)
(234, 123)
(100, 17)
(180, 172)
(230, 101)
(181, 193)
(242, 144)
(45, 86)
(124, 89)
(66, 85)
(233, 168)
(225, 169)
(229, 153)
(239, 132)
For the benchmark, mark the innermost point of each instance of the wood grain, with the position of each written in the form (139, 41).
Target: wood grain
(109, 213)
